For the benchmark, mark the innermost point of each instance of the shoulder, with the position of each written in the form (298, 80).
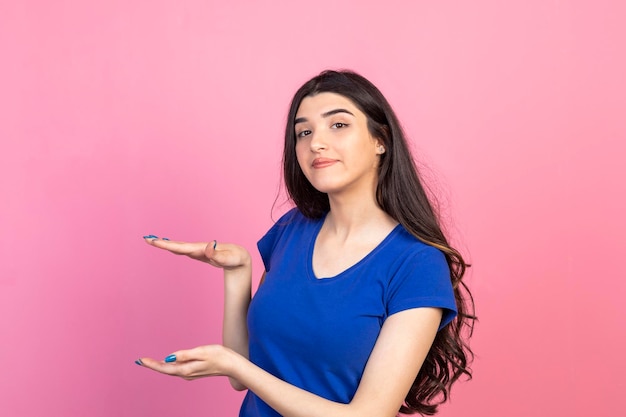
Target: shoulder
(402, 253)
(420, 277)
(417, 265)
(294, 215)
(292, 228)
(291, 219)
(410, 249)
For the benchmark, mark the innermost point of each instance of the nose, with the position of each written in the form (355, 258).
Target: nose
(318, 143)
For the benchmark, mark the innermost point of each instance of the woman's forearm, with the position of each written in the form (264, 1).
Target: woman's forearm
(283, 397)
(237, 293)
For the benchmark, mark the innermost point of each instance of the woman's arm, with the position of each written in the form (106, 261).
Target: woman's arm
(402, 345)
(237, 290)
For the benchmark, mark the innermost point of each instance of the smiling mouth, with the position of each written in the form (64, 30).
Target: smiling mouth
(323, 162)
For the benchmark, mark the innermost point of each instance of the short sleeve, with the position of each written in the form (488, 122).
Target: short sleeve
(268, 242)
(422, 280)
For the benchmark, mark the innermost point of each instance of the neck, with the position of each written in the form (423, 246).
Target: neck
(351, 216)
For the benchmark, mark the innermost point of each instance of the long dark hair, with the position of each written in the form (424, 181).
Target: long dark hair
(401, 194)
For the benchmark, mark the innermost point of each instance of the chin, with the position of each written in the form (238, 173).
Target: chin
(326, 189)
(330, 187)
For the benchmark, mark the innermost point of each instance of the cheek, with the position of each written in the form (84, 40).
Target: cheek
(301, 162)
(300, 155)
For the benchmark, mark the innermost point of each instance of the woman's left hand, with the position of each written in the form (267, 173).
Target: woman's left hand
(199, 362)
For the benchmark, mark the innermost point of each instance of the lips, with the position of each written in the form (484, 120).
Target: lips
(323, 162)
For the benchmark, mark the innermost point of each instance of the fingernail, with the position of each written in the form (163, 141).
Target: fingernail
(139, 362)
(214, 244)
(166, 238)
(150, 237)
(170, 358)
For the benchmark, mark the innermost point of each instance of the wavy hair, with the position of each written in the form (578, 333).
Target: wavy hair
(401, 194)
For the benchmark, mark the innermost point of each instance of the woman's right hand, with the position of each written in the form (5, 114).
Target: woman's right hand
(227, 256)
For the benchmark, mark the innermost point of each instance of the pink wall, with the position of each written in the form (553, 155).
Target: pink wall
(125, 118)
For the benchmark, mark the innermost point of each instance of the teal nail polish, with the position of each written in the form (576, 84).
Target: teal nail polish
(166, 238)
(150, 237)
(139, 362)
(170, 358)
(214, 244)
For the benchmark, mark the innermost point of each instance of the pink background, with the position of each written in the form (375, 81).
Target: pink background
(124, 118)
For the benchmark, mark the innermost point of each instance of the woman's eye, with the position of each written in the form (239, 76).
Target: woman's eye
(303, 133)
(339, 125)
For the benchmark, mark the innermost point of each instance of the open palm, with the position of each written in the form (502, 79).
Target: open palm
(222, 255)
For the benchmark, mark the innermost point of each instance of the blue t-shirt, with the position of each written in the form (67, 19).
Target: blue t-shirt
(317, 334)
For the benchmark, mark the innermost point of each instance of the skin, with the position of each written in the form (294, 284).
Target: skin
(331, 128)
(334, 147)
(338, 156)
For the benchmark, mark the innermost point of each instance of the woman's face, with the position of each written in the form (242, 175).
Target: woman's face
(334, 147)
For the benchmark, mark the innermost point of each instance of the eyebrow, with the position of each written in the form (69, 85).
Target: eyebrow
(327, 114)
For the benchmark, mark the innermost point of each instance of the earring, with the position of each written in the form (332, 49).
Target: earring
(381, 149)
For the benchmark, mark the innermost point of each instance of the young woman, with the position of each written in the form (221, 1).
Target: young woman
(361, 309)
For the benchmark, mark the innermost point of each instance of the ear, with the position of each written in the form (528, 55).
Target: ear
(380, 148)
